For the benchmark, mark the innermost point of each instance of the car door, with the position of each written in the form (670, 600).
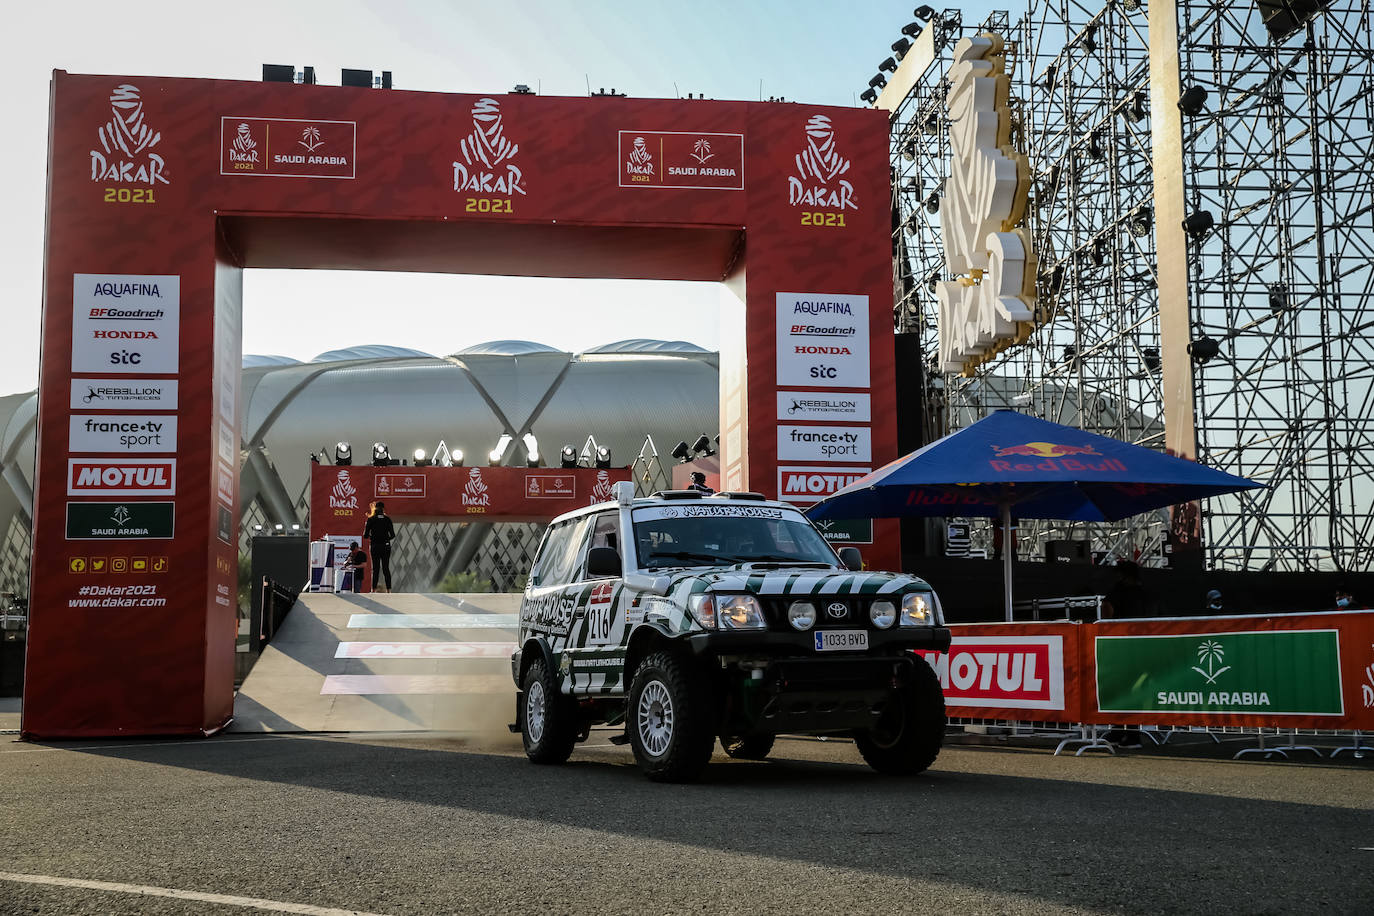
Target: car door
(598, 632)
(550, 596)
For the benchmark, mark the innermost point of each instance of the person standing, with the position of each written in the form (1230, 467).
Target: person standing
(380, 533)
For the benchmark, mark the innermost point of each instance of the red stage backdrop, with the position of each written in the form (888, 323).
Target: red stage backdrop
(162, 190)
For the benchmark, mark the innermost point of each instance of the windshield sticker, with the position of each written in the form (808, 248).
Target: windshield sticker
(700, 511)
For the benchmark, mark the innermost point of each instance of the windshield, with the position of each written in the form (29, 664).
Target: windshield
(706, 535)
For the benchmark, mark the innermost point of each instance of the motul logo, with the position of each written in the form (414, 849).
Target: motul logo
(125, 335)
(824, 351)
(1016, 672)
(152, 477)
(816, 484)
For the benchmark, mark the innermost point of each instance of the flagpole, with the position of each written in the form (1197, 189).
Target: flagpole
(1008, 548)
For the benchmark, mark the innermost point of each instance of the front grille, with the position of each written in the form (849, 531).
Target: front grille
(855, 611)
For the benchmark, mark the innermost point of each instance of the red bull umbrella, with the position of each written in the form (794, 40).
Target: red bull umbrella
(1009, 463)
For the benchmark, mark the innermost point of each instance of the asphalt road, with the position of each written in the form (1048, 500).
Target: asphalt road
(444, 825)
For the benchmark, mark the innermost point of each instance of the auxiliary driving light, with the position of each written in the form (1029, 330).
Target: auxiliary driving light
(802, 615)
(917, 611)
(883, 614)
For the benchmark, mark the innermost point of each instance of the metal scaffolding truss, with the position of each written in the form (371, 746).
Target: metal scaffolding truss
(1080, 106)
(1279, 157)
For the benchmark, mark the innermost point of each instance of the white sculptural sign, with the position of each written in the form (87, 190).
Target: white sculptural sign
(992, 303)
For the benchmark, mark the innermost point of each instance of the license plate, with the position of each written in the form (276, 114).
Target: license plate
(841, 640)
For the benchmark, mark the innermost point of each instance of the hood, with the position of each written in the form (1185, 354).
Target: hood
(785, 582)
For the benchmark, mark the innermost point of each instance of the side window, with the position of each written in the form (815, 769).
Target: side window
(606, 531)
(566, 548)
(551, 546)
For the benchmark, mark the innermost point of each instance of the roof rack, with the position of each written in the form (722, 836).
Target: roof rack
(742, 494)
(678, 494)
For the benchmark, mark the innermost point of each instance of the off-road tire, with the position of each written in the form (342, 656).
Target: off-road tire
(908, 736)
(548, 720)
(747, 747)
(669, 720)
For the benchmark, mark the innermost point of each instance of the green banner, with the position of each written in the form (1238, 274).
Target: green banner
(1274, 671)
(119, 521)
(847, 531)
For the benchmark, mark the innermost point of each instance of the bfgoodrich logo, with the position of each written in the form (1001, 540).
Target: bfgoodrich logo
(818, 181)
(486, 167)
(126, 144)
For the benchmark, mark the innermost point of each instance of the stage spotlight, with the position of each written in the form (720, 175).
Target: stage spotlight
(343, 453)
(419, 458)
(531, 450)
(888, 65)
(913, 223)
(933, 203)
(869, 96)
(703, 446)
(495, 456)
(912, 29)
(603, 457)
(1130, 6)
(1137, 112)
(1100, 252)
(931, 127)
(279, 526)
(923, 12)
(1095, 145)
(1199, 224)
(1203, 349)
(900, 47)
(295, 527)
(1141, 221)
(682, 452)
(1069, 354)
(1192, 101)
(381, 455)
(1089, 41)
(1278, 298)
(1150, 356)
(1050, 72)
(567, 457)
(909, 151)
(878, 82)
(457, 456)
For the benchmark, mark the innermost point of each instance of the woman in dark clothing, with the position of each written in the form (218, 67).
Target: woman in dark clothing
(380, 532)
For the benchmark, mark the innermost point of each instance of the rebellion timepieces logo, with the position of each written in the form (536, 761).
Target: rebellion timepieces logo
(243, 151)
(126, 144)
(344, 495)
(475, 494)
(486, 166)
(820, 167)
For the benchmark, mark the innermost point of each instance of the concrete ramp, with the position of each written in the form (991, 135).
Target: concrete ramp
(364, 663)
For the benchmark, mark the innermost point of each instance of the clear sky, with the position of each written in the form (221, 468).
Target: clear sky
(808, 50)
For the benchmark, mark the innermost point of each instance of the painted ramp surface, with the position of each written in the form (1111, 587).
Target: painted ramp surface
(365, 663)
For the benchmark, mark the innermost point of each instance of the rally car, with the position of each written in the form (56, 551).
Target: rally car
(690, 618)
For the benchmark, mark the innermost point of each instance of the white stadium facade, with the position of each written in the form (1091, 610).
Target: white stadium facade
(636, 397)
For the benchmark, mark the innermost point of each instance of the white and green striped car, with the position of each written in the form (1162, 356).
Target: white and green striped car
(688, 618)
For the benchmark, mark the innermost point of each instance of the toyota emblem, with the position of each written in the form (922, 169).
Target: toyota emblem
(836, 609)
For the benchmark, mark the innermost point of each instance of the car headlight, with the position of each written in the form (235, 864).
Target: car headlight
(739, 612)
(801, 614)
(918, 610)
(703, 608)
(883, 614)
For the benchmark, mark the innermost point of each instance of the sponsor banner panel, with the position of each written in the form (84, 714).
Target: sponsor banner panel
(126, 323)
(288, 148)
(117, 521)
(808, 484)
(121, 476)
(137, 433)
(123, 394)
(681, 159)
(847, 530)
(838, 407)
(822, 340)
(1299, 670)
(825, 443)
(1014, 671)
(341, 496)
(224, 484)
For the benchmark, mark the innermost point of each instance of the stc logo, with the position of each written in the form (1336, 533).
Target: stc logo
(484, 151)
(819, 167)
(125, 358)
(1043, 450)
(126, 144)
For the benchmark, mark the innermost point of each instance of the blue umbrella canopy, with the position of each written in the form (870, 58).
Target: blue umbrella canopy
(1036, 468)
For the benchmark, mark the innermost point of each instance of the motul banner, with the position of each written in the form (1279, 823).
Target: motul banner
(340, 497)
(1027, 672)
(1287, 671)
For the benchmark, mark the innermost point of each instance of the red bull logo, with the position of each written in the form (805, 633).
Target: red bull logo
(1044, 450)
(1051, 456)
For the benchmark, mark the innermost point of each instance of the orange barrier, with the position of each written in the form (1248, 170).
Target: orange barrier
(1311, 671)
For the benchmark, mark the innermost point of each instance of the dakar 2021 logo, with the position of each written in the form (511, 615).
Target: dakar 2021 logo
(243, 151)
(486, 166)
(476, 498)
(343, 498)
(639, 165)
(126, 143)
(820, 167)
(602, 491)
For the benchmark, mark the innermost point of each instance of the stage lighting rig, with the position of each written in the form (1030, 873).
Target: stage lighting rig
(567, 457)
(1150, 357)
(496, 455)
(1198, 224)
(1192, 101)
(933, 203)
(924, 13)
(1203, 350)
(1141, 221)
(887, 66)
(343, 454)
(682, 452)
(1278, 298)
(900, 47)
(878, 82)
(869, 96)
(419, 458)
(531, 450)
(1137, 111)
(603, 457)
(703, 446)
(381, 455)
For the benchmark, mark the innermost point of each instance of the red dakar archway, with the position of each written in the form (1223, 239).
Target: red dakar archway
(162, 190)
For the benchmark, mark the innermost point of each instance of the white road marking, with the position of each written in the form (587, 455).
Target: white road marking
(433, 621)
(146, 891)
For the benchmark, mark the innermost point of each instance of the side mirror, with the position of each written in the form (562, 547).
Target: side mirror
(851, 559)
(603, 562)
